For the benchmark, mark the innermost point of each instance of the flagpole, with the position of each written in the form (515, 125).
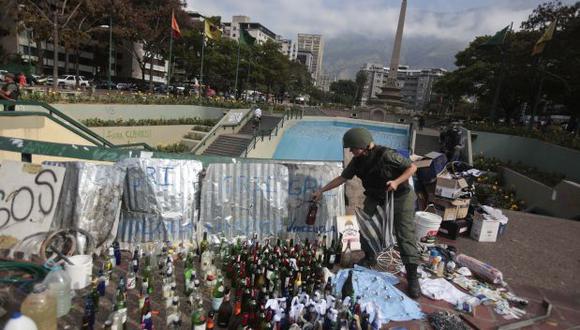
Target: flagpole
(538, 95)
(237, 70)
(202, 58)
(170, 58)
(500, 78)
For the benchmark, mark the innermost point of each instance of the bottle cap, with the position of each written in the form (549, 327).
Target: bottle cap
(16, 315)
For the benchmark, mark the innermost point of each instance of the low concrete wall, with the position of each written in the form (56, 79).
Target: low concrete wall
(560, 201)
(152, 135)
(545, 156)
(138, 111)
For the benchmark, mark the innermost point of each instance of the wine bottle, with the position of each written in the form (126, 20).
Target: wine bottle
(346, 258)
(218, 294)
(311, 216)
(224, 312)
(347, 287)
(203, 245)
(338, 250)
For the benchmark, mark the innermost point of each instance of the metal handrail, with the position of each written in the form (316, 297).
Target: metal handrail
(287, 114)
(68, 122)
(214, 130)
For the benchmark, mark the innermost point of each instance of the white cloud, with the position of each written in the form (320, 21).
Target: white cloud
(455, 19)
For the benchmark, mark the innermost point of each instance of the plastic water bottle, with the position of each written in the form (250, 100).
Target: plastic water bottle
(40, 306)
(20, 322)
(58, 282)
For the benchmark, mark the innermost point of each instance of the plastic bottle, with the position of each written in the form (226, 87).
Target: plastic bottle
(40, 306)
(20, 322)
(58, 283)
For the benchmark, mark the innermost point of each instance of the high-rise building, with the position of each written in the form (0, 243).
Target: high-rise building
(305, 57)
(288, 47)
(232, 30)
(313, 43)
(415, 84)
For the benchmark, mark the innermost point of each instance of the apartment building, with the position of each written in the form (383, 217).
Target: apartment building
(416, 84)
(313, 43)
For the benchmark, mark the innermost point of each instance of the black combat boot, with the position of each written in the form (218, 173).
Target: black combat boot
(413, 287)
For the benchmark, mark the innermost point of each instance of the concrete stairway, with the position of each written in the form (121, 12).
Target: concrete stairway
(229, 145)
(266, 125)
(235, 144)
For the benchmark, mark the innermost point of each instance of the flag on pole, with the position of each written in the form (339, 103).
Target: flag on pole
(246, 38)
(175, 31)
(212, 31)
(498, 38)
(547, 36)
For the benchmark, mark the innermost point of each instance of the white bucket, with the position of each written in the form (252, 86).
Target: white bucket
(80, 273)
(427, 224)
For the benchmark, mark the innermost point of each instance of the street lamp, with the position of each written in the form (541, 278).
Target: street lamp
(110, 27)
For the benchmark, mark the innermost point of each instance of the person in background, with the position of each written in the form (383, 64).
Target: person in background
(421, 122)
(382, 169)
(257, 117)
(22, 79)
(9, 91)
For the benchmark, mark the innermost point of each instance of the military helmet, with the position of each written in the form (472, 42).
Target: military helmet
(357, 137)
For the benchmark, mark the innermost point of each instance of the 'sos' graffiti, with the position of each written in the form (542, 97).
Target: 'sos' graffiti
(28, 197)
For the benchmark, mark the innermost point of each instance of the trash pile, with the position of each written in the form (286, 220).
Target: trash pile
(448, 190)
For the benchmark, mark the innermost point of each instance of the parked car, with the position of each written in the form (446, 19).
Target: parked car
(70, 81)
(2, 73)
(126, 87)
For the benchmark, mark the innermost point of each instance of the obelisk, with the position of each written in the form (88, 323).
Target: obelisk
(391, 93)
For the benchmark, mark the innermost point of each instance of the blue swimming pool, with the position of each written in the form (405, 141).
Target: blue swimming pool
(322, 140)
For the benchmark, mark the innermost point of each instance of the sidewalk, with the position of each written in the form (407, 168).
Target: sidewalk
(538, 256)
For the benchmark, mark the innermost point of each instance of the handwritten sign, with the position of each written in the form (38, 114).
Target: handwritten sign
(348, 227)
(28, 197)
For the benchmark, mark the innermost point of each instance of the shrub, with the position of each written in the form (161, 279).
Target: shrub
(175, 147)
(96, 122)
(194, 136)
(553, 135)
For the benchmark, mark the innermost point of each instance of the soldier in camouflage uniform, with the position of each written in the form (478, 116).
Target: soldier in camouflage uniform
(382, 169)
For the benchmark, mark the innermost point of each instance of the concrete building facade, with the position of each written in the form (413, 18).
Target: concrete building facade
(313, 43)
(92, 61)
(416, 84)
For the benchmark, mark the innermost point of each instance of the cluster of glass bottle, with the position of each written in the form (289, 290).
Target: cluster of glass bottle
(250, 284)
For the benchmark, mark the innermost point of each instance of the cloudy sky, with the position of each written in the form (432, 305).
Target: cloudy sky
(457, 19)
(362, 31)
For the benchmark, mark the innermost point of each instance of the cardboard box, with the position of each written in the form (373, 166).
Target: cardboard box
(451, 209)
(431, 165)
(453, 229)
(448, 186)
(484, 230)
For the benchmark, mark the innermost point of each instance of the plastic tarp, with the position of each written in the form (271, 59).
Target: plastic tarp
(304, 179)
(90, 199)
(160, 200)
(244, 199)
(377, 289)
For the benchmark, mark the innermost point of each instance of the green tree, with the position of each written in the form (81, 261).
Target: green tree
(344, 92)
(478, 68)
(51, 15)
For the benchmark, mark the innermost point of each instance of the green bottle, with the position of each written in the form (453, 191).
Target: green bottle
(218, 294)
(198, 319)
